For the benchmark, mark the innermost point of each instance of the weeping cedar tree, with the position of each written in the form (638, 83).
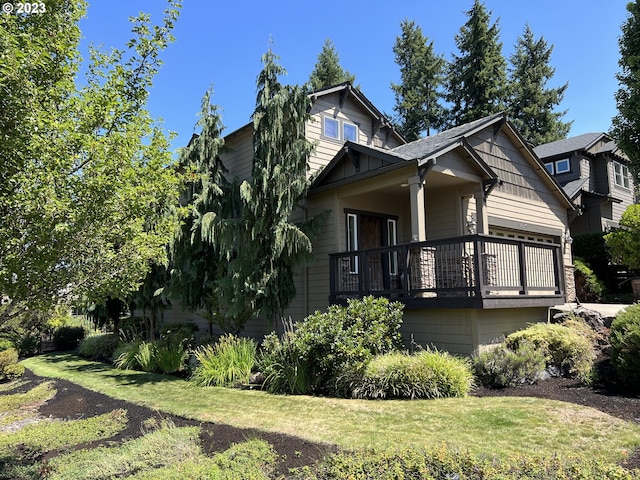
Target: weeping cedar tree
(274, 246)
(237, 253)
(201, 251)
(531, 105)
(327, 70)
(418, 95)
(626, 124)
(84, 171)
(477, 78)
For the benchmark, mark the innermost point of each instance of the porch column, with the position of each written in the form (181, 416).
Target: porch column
(482, 217)
(418, 219)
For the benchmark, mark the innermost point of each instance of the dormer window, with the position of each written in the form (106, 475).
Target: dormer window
(559, 166)
(563, 166)
(339, 129)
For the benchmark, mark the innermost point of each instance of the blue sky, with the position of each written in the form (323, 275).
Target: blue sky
(220, 43)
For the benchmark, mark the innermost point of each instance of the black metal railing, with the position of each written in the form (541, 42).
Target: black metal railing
(472, 266)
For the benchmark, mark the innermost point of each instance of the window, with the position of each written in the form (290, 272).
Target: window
(339, 129)
(559, 166)
(331, 128)
(350, 132)
(563, 166)
(621, 175)
(352, 240)
(392, 239)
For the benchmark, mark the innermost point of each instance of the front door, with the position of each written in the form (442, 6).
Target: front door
(371, 237)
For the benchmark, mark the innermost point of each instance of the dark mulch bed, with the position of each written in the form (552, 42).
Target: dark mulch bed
(74, 402)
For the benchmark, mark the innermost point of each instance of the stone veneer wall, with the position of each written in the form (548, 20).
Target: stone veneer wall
(570, 283)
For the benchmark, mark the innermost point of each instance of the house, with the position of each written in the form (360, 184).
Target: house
(595, 174)
(467, 228)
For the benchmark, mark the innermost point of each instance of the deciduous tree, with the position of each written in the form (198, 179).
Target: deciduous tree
(626, 124)
(87, 174)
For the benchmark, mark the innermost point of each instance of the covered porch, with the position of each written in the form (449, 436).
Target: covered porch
(471, 271)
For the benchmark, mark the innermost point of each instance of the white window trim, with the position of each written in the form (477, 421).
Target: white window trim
(392, 239)
(357, 131)
(568, 169)
(352, 241)
(550, 168)
(340, 129)
(625, 177)
(326, 119)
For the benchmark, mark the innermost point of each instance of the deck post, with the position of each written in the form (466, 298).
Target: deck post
(418, 219)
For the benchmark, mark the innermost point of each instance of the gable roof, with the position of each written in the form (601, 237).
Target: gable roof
(425, 151)
(346, 89)
(443, 141)
(421, 151)
(569, 145)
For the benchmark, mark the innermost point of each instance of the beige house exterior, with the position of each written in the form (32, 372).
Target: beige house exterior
(467, 227)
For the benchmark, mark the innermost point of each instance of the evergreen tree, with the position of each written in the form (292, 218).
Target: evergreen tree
(477, 77)
(418, 94)
(626, 124)
(327, 70)
(531, 104)
(275, 246)
(206, 243)
(238, 250)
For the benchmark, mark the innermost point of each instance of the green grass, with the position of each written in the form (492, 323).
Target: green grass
(45, 436)
(501, 426)
(168, 453)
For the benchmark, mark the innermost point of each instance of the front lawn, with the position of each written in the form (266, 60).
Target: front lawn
(497, 426)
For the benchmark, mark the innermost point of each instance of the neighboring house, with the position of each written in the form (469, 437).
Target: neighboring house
(466, 228)
(595, 174)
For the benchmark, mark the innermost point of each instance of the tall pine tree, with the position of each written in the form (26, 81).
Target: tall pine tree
(477, 77)
(626, 124)
(327, 70)
(418, 94)
(531, 104)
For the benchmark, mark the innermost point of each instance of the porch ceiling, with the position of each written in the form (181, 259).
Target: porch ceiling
(401, 186)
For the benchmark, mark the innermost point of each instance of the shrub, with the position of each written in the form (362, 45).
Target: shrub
(625, 346)
(180, 332)
(426, 374)
(285, 370)
(132, 328)
(8, 358)
(332, 348)
(67, 338)
(125, 356)
(99, 347)
(226, 363)
(568, 351)
(13, 371)
(444, 463)
(170, 357)
(6, 343)
(588, 287)
(501, 367)
(146, 356)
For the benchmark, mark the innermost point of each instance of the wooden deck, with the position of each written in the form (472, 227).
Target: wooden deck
(473, 271)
